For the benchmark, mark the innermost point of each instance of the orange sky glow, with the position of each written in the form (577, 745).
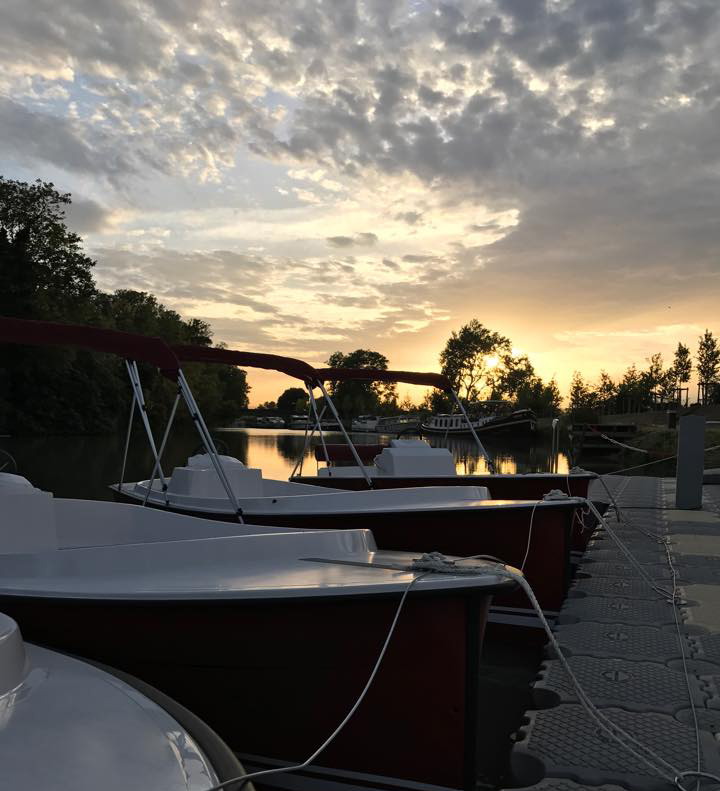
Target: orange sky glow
(321, 176)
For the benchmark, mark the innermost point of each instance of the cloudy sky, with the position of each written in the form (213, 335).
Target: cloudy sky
(311, 176)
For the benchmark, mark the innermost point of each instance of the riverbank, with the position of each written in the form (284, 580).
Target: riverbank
(661, 442)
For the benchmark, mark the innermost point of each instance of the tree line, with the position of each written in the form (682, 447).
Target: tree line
(655, 385)
(478, 362)
(481, 366)
(44, 274)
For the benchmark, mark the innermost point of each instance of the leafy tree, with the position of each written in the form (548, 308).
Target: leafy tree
(660, 383)
(407, 405)
(270, 406)
(355, 397)
(60, 281)
(44, 274)
(605, 392)
(581, 395)
(708, 357)
(632, 390)
(465, 358)
(514, 378)
(294, 399)
(511, 375)
(543, 399)
(682, 364)
(17, 278)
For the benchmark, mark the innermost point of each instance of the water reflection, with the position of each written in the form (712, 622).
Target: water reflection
(508, 455)
(85, 466)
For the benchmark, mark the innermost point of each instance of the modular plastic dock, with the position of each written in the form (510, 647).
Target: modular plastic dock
(625, 647)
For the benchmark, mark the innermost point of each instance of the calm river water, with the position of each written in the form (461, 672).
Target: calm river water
(85, 466)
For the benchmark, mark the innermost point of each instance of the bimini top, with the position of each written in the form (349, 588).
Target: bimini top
(272, 362)
(124, 344)
(440, 381)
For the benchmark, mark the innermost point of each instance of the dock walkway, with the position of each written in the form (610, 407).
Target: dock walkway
(622, 642)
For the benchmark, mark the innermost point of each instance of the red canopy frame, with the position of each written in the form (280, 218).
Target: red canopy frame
(439, 381)
(123, 344)
(271, 362)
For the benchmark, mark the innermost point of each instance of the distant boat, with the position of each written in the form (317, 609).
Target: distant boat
(271, 421)
(519, 421)
(365, 423)
(329, 425)
(399, 424)
(297, 422)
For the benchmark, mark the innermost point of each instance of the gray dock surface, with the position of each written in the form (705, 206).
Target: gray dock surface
(624, 645)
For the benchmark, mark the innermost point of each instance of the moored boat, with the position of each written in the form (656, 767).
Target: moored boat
(516, 422)
(71, 726)
(268, 635)
(365, 423)
(534, 534)
(414, 463)
(399, 424)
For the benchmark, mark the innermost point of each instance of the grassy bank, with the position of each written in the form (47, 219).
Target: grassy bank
(660, 442)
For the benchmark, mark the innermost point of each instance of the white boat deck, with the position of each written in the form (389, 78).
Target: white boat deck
(267, 566)
(69, 726)
(100, 550)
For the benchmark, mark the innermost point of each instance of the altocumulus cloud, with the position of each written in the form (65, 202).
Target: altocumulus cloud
(595, 122)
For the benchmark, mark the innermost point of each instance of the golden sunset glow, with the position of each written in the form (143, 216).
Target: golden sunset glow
(309, 180)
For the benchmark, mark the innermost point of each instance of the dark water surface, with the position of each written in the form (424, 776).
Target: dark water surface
(86, 466)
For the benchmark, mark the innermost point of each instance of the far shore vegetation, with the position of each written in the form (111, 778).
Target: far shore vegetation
(45, 274)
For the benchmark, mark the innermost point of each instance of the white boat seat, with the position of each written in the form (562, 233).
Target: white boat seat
(415, 457)
(200, 479)
(27, 517)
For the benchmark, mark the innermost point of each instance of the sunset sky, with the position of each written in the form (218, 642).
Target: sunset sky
(313, 176)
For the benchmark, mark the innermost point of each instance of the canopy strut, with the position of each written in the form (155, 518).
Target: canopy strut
(353, 449)
(139, 397)
(207, 441)
(481, 447)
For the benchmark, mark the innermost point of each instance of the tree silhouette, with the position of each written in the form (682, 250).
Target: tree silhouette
(355, 397)
(466, 356)
(294, 399)
(682, 364)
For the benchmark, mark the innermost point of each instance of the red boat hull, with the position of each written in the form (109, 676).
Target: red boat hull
(500, 531)
(509, 487)
(275, 678)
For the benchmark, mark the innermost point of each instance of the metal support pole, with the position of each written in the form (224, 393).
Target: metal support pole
(127, 443)
(207, 441)
(353, 449)
(313, 406)
(162, 450)
(555, 445)
(134, 375)
(690, 462)
(481, 447)
(308, 436)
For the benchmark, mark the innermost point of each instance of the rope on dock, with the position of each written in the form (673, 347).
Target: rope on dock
(436, 562)
(620, 444)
